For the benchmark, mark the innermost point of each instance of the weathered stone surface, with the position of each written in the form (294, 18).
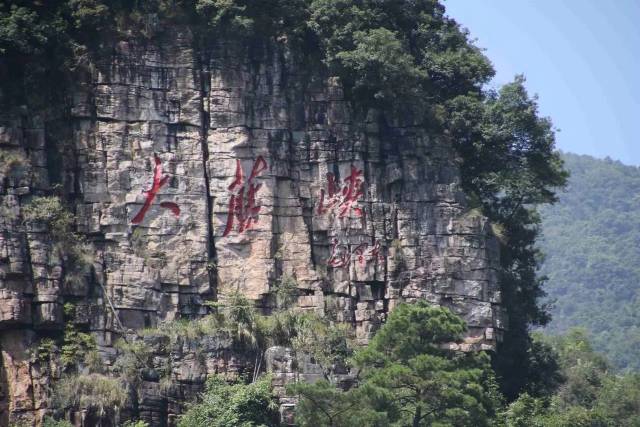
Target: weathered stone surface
(274, 176)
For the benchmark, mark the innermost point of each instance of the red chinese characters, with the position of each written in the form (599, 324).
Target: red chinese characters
(341, 255)
(343, 199)
(158, 182)
(243, 209)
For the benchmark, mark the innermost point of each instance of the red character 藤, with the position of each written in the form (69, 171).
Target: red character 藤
(344, 198)
(158, 182)
(242, 204)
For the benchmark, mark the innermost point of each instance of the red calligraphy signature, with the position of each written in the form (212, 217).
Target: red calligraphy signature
(341, 255)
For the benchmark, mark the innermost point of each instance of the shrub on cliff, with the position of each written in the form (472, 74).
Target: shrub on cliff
(51, 212)
(509, 168)
(50, 422)
(233, 405)
(76, 253)
(100, 395)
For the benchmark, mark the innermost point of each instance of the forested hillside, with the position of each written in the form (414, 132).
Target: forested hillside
(592, 246)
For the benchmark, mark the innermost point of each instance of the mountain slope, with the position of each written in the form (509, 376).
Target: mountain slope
(591, 239)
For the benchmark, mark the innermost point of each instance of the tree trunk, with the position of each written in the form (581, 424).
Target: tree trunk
(417, 416)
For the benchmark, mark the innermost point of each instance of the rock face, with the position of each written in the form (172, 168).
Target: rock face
(197, 172)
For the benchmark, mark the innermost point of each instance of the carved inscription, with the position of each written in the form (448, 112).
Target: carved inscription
(343, 199)
(341, 255)
(243, 210)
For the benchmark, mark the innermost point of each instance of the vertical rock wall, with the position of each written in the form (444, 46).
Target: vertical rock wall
(198, 172)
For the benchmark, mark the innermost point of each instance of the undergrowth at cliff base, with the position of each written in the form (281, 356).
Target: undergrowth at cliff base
(408, 376)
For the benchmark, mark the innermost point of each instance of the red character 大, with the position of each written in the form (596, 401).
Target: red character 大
(242, 204)
(343, 198)
(158, 182)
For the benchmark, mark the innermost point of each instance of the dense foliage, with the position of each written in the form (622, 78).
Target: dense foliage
(408, 377)
(227, 404)
(590, 395)
(592, 247)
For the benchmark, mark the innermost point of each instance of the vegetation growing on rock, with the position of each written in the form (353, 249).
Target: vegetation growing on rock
(236, 404)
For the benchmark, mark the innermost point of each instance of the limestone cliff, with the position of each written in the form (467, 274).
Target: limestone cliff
(195, 172)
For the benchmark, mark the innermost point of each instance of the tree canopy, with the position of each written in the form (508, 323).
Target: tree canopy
(408, 377)
(590, 395)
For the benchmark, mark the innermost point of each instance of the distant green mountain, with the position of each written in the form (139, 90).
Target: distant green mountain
(592, 242)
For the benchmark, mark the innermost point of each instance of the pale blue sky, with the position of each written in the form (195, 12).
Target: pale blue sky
(582, 58)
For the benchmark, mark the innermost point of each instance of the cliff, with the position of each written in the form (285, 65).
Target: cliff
(193, 173)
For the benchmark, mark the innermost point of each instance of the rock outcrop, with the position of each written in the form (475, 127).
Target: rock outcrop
(197, 172)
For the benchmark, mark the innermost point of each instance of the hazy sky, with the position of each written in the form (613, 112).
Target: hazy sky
(582, 58)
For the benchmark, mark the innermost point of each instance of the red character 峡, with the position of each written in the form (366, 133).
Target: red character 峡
(344, 199)
(351, 192)
(158, 182)
(242, 204)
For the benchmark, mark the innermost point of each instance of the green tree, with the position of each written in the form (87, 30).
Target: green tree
(321, 404)
(583, 368)
(398, 55)
(409, 377)
(523, 412)
(527, 411)
(233, 405)
(545, 373)
(509, 168)
(589, 396)
(619, 399)
(426, 382)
